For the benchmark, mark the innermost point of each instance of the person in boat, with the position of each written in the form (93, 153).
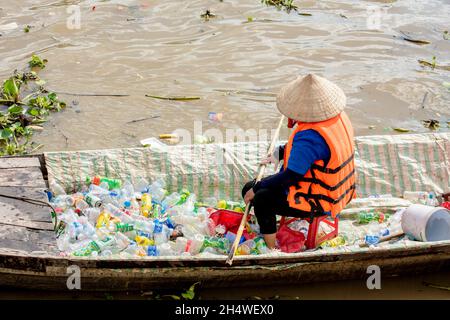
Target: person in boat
(317, 177)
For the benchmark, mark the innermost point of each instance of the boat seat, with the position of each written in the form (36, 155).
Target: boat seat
(312, 240)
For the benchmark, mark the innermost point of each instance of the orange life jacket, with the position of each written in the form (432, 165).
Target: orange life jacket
(330, 187)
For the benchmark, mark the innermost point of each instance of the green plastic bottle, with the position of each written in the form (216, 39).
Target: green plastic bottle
(112, 183)
(184, 194)
(368, 216)
(88, 250)
(220, 244)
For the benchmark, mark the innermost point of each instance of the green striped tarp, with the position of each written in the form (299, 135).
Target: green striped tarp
(385, 164)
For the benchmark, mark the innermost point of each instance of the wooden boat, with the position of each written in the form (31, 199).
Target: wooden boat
(29, 257)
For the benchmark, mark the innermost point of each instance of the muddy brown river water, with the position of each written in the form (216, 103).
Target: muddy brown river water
(236, 63)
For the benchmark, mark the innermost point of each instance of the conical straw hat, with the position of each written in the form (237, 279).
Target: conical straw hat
(311, 99)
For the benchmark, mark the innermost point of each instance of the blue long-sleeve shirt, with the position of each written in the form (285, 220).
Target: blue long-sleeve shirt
(308, 146)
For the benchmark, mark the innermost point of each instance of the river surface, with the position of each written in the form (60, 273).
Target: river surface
(235, 62)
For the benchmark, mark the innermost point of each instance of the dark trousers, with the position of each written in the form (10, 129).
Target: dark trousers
(271, 202)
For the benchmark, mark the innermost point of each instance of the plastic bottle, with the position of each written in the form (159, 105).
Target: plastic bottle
(261, 246)
(195, 245)
(98, 190)
(121, 241)
(171, 200)
(81, 205)
(156, 211)
(56, 189)
(165, 250)
(146, 204)
(92, 246)
(157, 190)
(120, 214)
(93, 200)
(74, 229)
(144, 226)
(121, 227)
(231, 205)
(141, 185)
(300, 225)
(432, 200)
(246, 247)
(103, 220)
(112, 183)
(161, 233)
(88, 231)
(180, 244)
(368, 216)
(127, 191)
(142, 240)
(184, 195)
(152, 251)
(222, 245)
(333, 243)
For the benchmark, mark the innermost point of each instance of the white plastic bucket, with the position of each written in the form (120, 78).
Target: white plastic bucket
(425, 223)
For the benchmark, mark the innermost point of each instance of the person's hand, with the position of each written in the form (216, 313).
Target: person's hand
(269, 159)
(249, 196)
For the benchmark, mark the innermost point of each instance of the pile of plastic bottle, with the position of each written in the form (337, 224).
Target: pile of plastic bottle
(111, 218)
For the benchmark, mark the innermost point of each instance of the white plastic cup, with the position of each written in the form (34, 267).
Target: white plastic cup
(425, 223)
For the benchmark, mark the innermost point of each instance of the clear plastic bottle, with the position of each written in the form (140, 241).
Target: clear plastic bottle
(56, 189)
(171, 200)
(432, 200)
(180, 244)
(116, 212)
(81, 205)
(141, 185)
(300, 225)
(157, 190)
(196, 244)
(165, 249)
(161, 233)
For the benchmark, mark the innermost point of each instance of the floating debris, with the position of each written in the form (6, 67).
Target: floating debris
(207, 15)
(20, 119)
(173, 98)
(408, 38)
(287, 5)
(402, 130)
(433, 64)
(27, 28)
(215, 117)
(416, 41)
(446, 35)
(431, 124)
(37, 62)
(306, 14)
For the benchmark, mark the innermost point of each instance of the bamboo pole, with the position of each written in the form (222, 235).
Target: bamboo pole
(262, 168)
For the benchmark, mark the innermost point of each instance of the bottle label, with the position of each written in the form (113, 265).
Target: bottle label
(152, 251)
(158, 227)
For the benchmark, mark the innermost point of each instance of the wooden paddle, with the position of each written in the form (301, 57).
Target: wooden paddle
(262, 168)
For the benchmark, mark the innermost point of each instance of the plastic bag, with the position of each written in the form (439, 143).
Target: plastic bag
(290, 240)
(230, 220)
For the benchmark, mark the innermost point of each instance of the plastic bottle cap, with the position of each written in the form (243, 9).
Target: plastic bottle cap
(96, 180)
